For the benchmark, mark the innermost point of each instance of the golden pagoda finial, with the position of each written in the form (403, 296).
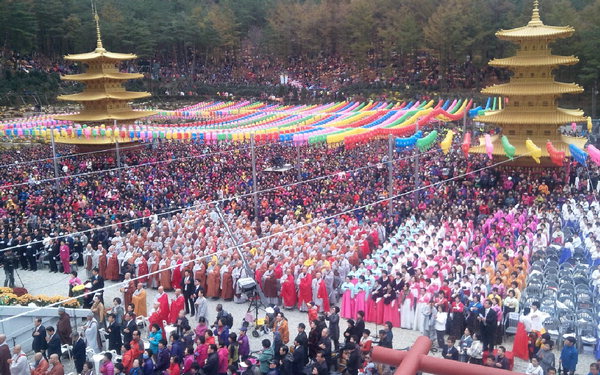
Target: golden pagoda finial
(535, 16)
(97, 19)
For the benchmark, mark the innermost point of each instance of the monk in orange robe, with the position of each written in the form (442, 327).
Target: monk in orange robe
(139, 301)
(176, 306)
(212, 282)
(154, 278)
(112, 267)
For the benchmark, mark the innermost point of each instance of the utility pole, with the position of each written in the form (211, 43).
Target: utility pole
(390, 174)
(117, 149)
(594, 98)
(254, 180)
(54, 160)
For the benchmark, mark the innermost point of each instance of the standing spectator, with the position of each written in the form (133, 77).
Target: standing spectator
(333, 317)
(114, 334)
(107, 367)
(63, 327)
(187, 288)
(265, 356)
(441, 318)
(18, 363)
(4, 355)
(243, 344)
(79, 354)
(90, 330)
(569, 356)
(545, 356)
(489, 323)
(65, 255)
(211, 367)
(53, 342)
(320, 367)
(534, 368)
(128, 327)
(39, 343)
(148, 368)
(450, 351)
(201, 303)
(163, 357)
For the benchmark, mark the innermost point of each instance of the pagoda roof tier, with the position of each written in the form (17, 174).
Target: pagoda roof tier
(93, 76)
(555, 116)
(536, 32)
(535, 29)
(96, 116)
(533, 88)
(89, 96)
(528, 61)
(100, 53)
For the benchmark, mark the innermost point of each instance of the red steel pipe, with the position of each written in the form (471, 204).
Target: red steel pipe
(416, 359)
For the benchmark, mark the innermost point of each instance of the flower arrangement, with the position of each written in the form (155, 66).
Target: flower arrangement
(8, 297)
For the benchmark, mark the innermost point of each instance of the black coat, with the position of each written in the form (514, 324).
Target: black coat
(188, 289)
(299, 361)
(354, 362)
(128, 336)
(334, 326)
(212, 364)
(79, 351)
(359, 328)
(490, 324)
(39, 342)
(54, 346)
(114, 337)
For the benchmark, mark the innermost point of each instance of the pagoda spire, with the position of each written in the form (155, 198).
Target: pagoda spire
(98, 34)
(535, 16)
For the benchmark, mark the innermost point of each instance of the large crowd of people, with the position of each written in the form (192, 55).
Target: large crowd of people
(420, 71)
(450, 262)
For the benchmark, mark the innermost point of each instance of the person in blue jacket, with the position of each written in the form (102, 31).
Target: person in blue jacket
(569, 356)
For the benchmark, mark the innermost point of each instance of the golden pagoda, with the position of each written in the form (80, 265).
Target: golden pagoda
(531, 110)
(104, 97)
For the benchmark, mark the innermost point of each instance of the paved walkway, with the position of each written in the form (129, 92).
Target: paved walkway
(44, 282)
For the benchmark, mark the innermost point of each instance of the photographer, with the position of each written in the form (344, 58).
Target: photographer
(9, 268)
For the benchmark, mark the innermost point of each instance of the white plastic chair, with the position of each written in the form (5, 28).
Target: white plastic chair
(66, 349)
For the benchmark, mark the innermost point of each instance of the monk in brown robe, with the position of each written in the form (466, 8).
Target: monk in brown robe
(102, 264)
(227, 283)
(127, 289)
(165, 274)
(201, 275)
(212, 282)
(112, 266)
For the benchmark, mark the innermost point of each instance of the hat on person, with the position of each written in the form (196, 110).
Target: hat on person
(244, 329)
(90, 314)
(61, 309)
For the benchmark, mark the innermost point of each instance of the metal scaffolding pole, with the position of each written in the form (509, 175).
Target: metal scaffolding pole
(298, 163)
(390, 174)
(417, 167)
(54, 160)
(254, 179)
(117, 151)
